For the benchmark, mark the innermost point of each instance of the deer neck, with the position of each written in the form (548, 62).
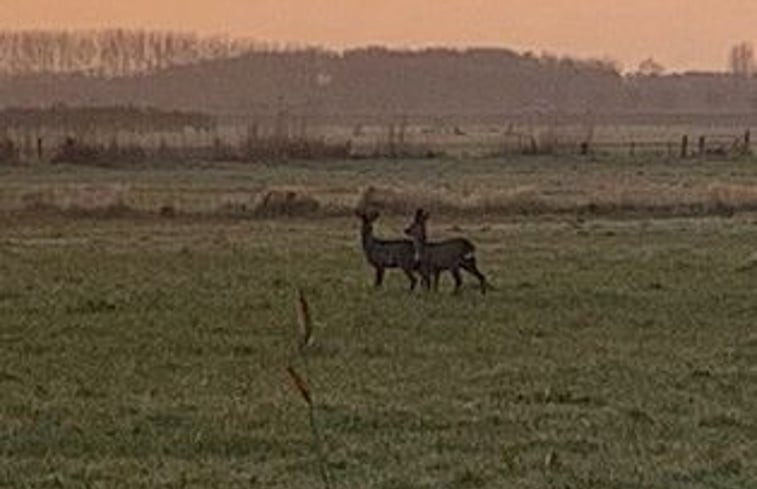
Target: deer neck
(366, 237)
(419, 245)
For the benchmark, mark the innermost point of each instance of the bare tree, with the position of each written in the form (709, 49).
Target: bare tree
(113, 52)
(741, 60)
(650, 67)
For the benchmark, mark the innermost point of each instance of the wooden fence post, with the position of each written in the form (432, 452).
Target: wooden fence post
(684, 146)
(391, 146)
(702, 145)
(747, 142)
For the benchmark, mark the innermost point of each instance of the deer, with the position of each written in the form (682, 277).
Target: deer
(382, 254)
(434, 257)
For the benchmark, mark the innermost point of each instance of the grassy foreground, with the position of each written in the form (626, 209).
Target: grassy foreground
(151, 353)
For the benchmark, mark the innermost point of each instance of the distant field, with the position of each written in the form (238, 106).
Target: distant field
(618, 350)
(106, 139)
(499, 187)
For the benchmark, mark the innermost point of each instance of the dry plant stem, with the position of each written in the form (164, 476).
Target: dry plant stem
(314, 428)
(318, 445)
(305, 321)
(304, 390)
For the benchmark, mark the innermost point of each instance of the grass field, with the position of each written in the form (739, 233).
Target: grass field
(140, 351)
(615, 187)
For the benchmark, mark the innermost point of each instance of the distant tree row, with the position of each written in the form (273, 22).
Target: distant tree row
(358, 84)
(741, 60)
(116, 52)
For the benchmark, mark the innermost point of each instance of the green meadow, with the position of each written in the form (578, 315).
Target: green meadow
(148, 349)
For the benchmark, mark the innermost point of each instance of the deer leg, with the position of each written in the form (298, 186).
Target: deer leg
(425, 279)
(411, 277)
(427, 282)
(437, 273)
(458, 279)
(469, 265)
(379, 276)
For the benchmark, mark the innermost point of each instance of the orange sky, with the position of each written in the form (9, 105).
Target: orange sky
(681, 34)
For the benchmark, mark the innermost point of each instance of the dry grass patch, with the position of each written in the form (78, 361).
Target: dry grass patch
(402, 200)
(519, 200)
(452, 188)
(602, 198)
(285, 202)
(736, 196)
(107, 200)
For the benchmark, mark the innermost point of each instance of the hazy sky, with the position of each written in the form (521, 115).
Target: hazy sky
(681, 34)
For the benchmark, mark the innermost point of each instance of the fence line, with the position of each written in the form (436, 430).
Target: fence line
(294, 139)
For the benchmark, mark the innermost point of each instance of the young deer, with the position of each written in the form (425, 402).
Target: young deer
(383, 254)
(451, 254)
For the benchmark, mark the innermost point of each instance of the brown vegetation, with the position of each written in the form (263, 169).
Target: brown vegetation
(76, 152)
(106, 200)
(115, 154)
(112, 52)
(404, 201)
(102, 118)
(103, 201)
(8, 151)
(281, 203)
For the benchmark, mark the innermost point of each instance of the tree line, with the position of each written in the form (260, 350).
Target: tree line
(114, 52)
(235, 78)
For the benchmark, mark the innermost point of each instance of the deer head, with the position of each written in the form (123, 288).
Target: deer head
(367, 216)
(417, 229)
